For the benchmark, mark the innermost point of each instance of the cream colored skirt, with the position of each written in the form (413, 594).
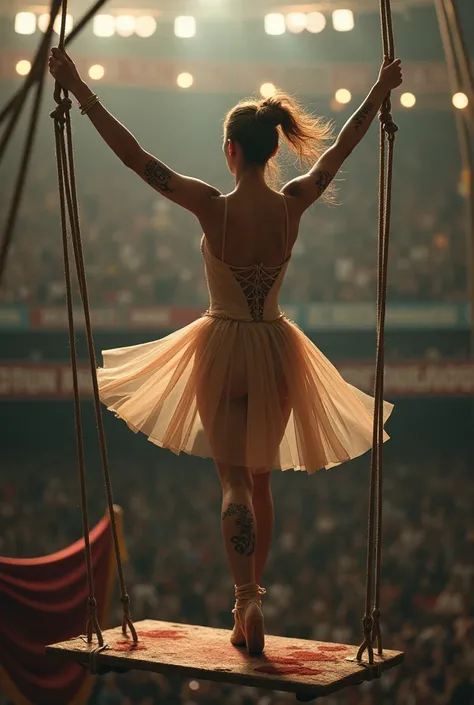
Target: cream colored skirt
(259, 395)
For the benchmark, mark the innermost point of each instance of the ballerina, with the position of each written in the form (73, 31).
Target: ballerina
(242, 384)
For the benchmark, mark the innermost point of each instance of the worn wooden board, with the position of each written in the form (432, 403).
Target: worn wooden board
(308, 668)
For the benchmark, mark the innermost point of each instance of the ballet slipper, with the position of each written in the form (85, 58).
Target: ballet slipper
(249, 624)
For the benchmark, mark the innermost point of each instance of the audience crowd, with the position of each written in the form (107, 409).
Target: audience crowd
(142, 250)
(316, 571)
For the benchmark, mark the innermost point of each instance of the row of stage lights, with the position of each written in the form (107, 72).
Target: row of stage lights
(186, 80)
(185, 26)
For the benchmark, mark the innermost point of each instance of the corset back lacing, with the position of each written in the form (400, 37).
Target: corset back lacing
(255, 280)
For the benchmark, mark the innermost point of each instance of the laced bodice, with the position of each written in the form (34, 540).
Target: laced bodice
(244, 293)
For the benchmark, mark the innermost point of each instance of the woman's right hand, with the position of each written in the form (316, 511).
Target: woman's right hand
(390, 75)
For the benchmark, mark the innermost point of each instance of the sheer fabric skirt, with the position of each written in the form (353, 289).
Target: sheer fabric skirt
(259, 395)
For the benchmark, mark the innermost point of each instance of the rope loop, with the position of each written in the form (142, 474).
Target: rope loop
(376, 631)
(386, 119)
(93, 626)
(127, 617)
(390, 127)
(367, 625)
(61, 110)
(57, 92)
(91, 605)
(125, 600)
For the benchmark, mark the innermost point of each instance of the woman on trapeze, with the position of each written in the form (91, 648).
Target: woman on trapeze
(243, 384)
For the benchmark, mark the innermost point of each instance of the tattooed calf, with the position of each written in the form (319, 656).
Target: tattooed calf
(158, 176)
(244, 541)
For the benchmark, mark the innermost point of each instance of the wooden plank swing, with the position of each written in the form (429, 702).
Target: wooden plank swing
(310, 669)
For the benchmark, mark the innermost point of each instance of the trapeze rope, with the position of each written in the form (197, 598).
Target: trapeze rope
(388, 129)
(68, 196)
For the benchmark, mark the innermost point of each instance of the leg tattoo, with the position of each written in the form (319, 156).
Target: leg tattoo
(244, 541)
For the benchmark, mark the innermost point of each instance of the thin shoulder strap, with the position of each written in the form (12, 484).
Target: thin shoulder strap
(224, 229)
(287, 226)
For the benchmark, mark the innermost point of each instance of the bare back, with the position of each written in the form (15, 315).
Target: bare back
(256, 227)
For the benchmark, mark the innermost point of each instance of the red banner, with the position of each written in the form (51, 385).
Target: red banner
(416, 379)
(44, 600)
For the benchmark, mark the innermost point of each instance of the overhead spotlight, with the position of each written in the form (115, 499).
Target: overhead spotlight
(57, 24)
(296, 22)
(275, 23)
(23, 67)
(267, 90)
(103, 26)
(96, 72)
(460, 101)
(25, 23)
(315, 22)
(125, 25)
(145, 26)
(408, 100)
(185, 80)
(43, 23)
(343, 20)
(193, 685)
(343, 96)
(185, 26)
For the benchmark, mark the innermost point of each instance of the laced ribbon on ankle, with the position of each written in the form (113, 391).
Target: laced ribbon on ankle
(250, 592)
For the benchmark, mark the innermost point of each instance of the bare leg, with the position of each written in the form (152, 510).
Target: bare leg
(238, 522)
(238, 531)
(262, 501)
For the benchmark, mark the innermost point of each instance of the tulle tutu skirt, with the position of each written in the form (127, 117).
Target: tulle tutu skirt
(258, 395)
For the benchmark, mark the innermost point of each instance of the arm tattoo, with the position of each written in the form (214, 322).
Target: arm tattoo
(323, 179)
(244, 540)
(361, 115)
(294, 189)
(158, 176)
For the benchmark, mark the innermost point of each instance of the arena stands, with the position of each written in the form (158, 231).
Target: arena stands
(141, 250)
(316, 571)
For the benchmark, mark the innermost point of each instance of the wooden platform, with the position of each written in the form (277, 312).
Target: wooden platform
(308, 668)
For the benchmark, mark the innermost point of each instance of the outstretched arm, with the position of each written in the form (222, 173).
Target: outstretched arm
(308, 188)
(187, 192)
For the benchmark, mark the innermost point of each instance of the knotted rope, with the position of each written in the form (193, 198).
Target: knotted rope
(70, 213)
(388, 129)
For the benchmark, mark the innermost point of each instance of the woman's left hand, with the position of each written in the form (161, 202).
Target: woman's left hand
(63, 69)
